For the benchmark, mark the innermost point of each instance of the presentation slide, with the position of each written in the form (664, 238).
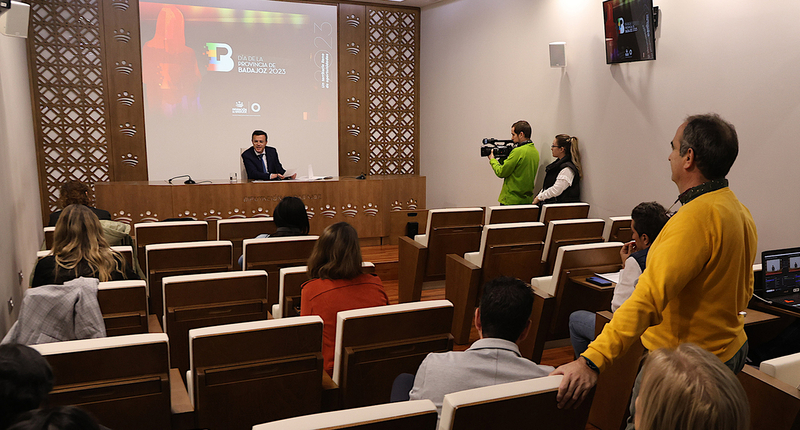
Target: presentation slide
(214, 74)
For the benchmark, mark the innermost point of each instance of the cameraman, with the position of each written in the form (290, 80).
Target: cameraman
(519, 169)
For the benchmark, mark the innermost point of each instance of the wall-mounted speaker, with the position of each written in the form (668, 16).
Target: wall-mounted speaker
(14, 21)
(558, 55)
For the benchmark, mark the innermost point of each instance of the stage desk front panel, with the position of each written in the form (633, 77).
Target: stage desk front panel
(365, 204)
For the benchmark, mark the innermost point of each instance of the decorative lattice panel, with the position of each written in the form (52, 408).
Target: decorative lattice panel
(67, 84)
(392, 87)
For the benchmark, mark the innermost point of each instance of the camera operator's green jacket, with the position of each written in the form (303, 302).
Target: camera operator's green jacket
(518, 173)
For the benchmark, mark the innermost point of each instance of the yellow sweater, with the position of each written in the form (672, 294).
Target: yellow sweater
(699, 277)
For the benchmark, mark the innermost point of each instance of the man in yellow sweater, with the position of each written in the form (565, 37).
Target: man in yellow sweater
(699, 275)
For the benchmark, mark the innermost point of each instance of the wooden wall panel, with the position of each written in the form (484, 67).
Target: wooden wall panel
(122, 63)
(353, 103)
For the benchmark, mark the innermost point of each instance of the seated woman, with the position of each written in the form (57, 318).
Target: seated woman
(338, 283)
(291, 218)
(76, 193)
(562, 178)
(79, 249)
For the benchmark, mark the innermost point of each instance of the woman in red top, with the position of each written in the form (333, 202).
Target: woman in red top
(338, 283)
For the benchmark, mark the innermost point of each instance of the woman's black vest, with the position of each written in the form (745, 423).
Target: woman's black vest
(573, 192)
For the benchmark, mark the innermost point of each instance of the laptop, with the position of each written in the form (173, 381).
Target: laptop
(781, 277)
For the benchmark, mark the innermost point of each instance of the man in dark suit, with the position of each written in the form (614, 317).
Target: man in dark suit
(261, 161)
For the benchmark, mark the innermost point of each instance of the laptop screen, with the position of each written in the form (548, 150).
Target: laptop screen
(781, 269)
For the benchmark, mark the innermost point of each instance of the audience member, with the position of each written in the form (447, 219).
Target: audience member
(25, 381)
(57, 418)
(690, 389)
(562, 177)
(699, 276)
(647, 220)
(338, 283)
(291, 218)
(75, 193)
(80, 250)
(502, 319)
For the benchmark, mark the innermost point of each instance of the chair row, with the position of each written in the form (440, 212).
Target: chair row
(512, 405)
(246, 373)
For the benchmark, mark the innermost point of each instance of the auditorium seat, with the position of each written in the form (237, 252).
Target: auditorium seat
(49, 232)
(556, 211)
(449, 231)
(512, 249)
(512, 213)
(774, 404)
(579, 261)
(291, 282)
(183, 258)
(208, 299)
(618, 229)
(273, 253)
(415, 414)
(124, 307)
(124, 381)
(238, 229)
(515, 405)
(569, 232)
(374, 345)
(612, 398)
(786, 368)
(149, 233)
(253, 372)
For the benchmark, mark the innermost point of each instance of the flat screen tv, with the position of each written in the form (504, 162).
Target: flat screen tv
(629, 31)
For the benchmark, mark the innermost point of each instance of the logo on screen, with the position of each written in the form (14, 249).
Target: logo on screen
(621, 25)
(219, 57)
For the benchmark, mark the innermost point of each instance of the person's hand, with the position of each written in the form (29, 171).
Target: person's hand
(626, 251)
(491, 154)
(536, 200)
(294, 176)
(578, 380)
(274, 176)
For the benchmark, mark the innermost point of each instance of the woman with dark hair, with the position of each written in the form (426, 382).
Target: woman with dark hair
(80, 250)
(291, 218)
(57, 418)
(75, 193)
(338, 283)
(562, 179)
(25, 381)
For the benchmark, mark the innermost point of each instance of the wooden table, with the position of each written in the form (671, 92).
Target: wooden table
(366, 204)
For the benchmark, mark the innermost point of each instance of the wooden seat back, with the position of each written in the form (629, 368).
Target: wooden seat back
(612, 397)
(556, 211)
(583, 261)
(570, 232)
(451, 231)
(515, 405)
(774, 404)
(291, 285)
(172, 259)
(512, 250)
(124, 307)
(414, 414)
(249, 373)
(273, 253)
(618, 229)
(209, 299)
(123, 380)
(49, 233)
(513, 213)
(374, 345)
(150, 233)
(238, 229)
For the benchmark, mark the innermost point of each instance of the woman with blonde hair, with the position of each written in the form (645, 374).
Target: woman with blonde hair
(80, 250)
(689, 388)
(338, 283)
(562, 178)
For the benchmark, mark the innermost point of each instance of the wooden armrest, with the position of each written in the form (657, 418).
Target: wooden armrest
(461, 287)
(182, 409)
(412, 259)
(153, 326)
(330, 394)
(409, 241)
(461, 260)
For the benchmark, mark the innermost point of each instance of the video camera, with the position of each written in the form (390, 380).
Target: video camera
(500, 148)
